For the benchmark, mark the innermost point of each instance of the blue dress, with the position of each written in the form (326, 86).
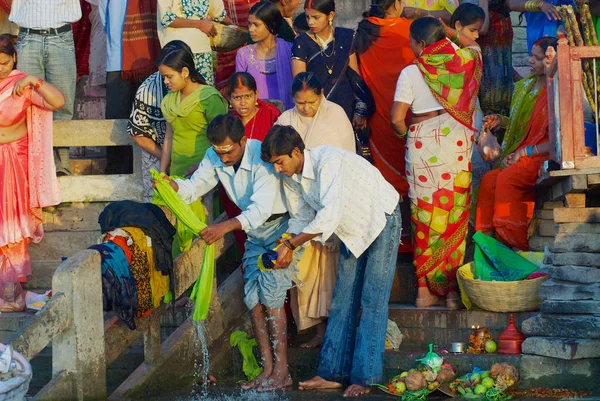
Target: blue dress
(539, 26)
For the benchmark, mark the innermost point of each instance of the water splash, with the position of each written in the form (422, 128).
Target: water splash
(241, 395)
(201, 365)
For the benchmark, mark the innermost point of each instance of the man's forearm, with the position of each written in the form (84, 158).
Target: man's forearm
(301, 238)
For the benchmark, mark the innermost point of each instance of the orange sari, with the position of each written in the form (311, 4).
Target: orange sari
(383, 49)
(507, 197)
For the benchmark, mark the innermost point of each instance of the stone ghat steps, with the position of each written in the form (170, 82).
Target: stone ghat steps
(535, 371)
(442, 326)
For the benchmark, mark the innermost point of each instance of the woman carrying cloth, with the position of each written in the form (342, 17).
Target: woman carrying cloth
(507, 193)
(27, 172)
(319, 122)
(441, 90)
(188, 108)
(328, 53)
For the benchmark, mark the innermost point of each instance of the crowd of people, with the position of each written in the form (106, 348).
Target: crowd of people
(315, 137)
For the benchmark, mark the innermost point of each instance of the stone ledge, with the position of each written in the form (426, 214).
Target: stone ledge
(570, 307)
(577, 274)
(576, 243)
(566, 291)
(562, 348)
(572, 258)
(568, 326)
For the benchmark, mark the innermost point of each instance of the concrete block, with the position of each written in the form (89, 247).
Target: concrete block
(570, 307)
(544, 214)
(578, 274)
(572, 258)
(58, 244)
(537, 244)
(566, 291)
(583, 228)
(75, 216)
(553, 205)
(540, 371)
(562, 348)
(575, 200)
(576, 242)
(568, 326)
(577, 215)
(547, 228)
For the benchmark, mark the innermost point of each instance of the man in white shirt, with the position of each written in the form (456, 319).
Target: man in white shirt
(235, 161)
(46, 49)
(331, 191)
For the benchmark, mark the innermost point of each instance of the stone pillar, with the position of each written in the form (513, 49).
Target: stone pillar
(79, 349)
(568, 326)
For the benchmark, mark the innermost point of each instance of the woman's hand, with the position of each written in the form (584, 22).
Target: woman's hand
(173, 184)
(550, 10)
(23, 83)
(491, 121)
(207, 26)
(359, 122)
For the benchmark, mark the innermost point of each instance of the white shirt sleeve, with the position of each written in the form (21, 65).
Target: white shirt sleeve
(301, 214)
(404, 89)
(264, 186)
(200, 183)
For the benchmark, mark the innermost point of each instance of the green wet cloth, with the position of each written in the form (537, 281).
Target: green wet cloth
(246, 346)
(494, 261)
(191, 225)
(189, 118)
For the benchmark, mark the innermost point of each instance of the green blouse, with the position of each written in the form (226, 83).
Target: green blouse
(189, 118)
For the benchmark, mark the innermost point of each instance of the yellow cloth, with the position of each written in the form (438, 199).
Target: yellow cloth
(433, 5)
(159, 283)
(311, 299)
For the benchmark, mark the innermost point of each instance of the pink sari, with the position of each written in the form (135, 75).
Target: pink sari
(27, 177)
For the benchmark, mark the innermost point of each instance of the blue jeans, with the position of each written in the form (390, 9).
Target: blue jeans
(364, 282)
(52, 58)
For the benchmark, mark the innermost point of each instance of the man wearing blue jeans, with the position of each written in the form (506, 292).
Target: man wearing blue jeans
(331, 191)
(45, 48)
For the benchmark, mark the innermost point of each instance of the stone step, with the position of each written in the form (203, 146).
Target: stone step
(563, 348)
(566, 325)
(559, 290)
(575, 243)
(534, 371)
(73, 216)
(444, 326)
(537, 243)
(41, 275)
(566, 307)
(572, 258)
(578, 274)
(58, 244)
(11, 322)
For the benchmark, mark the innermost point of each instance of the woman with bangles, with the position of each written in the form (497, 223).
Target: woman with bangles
(414, 9)
(542, 16)
(328, 52)
(507, 193)
(441, 91)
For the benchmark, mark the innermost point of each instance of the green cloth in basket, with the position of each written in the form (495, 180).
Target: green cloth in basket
(494, 261)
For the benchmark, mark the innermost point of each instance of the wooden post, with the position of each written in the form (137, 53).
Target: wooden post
(566, 159)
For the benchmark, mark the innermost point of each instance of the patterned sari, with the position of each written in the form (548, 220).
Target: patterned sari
(438, 168)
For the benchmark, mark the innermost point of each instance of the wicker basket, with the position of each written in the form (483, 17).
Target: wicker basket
(228, 38)
(501, 296)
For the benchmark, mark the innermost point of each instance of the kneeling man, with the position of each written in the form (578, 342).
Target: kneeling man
(331, 191)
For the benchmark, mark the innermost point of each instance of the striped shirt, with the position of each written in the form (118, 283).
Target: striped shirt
(44, 14)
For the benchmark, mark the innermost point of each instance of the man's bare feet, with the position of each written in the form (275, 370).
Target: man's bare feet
(256, 382)
(276, 382)
(318, 383)
(356, 390)
(316, 342)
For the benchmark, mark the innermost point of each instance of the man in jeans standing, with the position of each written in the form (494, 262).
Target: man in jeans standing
(45, 49)
(332, 191)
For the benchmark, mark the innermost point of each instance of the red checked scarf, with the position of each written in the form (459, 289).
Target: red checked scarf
(453, 77)
(140, 41)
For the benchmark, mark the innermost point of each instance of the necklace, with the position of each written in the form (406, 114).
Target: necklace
(324, 54)
(253, 121)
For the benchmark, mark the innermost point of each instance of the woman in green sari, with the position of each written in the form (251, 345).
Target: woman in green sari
(188, 108)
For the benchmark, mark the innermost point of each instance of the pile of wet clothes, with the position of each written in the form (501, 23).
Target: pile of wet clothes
(137, 266)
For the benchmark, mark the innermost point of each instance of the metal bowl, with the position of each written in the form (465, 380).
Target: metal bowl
(459, 348)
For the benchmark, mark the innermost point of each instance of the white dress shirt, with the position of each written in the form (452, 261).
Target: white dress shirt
(254, 187)
(44, 14)
(339, 192)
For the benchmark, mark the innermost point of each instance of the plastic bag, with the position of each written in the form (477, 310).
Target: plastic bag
(488, 146)
(433, 360)
(12, 296)
(393, 336)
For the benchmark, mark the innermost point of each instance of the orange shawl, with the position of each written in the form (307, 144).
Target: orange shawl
(386, 51)
(537, 128)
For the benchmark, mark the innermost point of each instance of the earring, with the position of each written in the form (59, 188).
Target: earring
(330, 22)
(230, 106)
(256, 104)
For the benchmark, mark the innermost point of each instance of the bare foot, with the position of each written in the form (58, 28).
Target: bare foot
(356, 390)
(276, 382)
(453, 300)
(318, 383)
(256, 382)
(316, 342)
(426, 302)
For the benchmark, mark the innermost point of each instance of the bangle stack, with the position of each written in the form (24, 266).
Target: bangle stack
(529, 151)
(38, 84)
(534, 5)
(457, 38)
(288, 244)
(504, 122)
(360, 108)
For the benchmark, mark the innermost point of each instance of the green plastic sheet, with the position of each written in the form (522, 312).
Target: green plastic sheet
(246, 346)
(191, 219)
(494, 261)
(431, 359)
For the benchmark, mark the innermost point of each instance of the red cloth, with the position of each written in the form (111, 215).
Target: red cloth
(238, 11)
(507, 197)
(453, 77)
(140, 40)
(380, 65)
(262, 121)
(82, 31)
(6, 5)
(122, 243)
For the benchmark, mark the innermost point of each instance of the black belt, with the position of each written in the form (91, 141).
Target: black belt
(46, 32)
(276, 216)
